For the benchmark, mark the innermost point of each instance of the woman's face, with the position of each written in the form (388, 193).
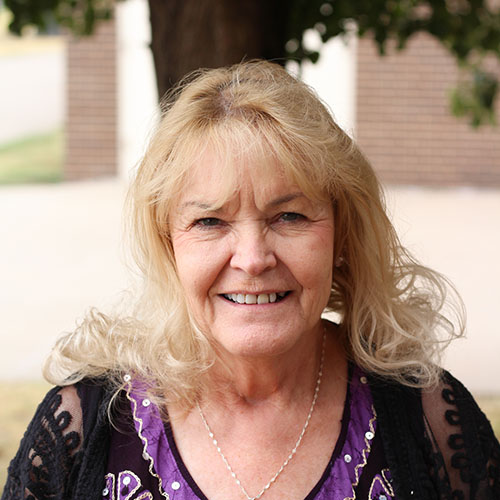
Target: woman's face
(257, 270)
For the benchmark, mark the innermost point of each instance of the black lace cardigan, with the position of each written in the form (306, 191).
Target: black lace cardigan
(438, 444)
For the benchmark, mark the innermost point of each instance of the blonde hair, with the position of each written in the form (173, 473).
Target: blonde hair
(390, 307)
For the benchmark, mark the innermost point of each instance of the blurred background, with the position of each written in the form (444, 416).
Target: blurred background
(76, 112)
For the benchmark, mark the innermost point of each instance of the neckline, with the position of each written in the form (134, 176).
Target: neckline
(346, 413)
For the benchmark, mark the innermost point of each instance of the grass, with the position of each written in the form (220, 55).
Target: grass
(33, 159)
(20, 399)
(491, 407)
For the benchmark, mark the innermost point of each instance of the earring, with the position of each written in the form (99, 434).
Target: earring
(339, 261)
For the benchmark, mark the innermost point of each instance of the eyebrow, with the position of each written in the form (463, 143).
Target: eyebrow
(274, 203)
(285, 199)
(197, 204)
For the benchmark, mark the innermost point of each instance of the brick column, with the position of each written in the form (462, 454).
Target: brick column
(404, 123)
(91, 126)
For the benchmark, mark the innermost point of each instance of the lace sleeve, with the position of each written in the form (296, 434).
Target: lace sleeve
(465, 454)
(49, 451)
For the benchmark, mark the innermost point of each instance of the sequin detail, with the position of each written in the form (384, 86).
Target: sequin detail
(381, 487)
(139, 428)
(124, 488)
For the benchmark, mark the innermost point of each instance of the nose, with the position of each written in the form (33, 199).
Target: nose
(253, 251)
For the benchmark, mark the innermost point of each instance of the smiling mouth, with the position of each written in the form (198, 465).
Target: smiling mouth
(249, 298)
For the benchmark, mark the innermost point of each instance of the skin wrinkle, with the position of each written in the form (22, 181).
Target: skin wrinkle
(267, 237)
(249, 247)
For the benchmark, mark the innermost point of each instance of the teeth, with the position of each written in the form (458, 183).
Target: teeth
(262, 298)
(250, 299)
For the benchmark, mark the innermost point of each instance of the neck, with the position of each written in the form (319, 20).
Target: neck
(277, 379)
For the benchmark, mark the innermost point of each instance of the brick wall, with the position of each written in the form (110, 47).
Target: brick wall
(404, 124)
(91, 127)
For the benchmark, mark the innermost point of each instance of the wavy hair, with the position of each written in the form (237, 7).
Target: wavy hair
(396, 316)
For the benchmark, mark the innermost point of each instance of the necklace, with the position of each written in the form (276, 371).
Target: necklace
(292, 452)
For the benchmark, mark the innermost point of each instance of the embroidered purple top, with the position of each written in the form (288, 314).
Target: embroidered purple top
(145, 463)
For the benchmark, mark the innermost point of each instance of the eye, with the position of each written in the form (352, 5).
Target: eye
(208, 222)
(291, 217)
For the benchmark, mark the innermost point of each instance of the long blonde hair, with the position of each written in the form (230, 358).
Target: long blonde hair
(390, 306)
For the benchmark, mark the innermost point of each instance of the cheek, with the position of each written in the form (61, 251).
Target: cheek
(315, 265)
(318, 273)
(198, 267)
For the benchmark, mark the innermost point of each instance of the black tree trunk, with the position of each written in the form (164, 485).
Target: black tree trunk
(190, 34)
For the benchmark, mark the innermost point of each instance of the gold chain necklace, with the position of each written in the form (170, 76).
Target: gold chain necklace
(292, 452)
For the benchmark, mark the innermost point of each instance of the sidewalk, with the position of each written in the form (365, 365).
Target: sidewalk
(60, 253)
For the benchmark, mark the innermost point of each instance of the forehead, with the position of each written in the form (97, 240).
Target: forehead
(216, 178)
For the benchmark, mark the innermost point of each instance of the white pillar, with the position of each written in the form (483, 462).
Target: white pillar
(137, 94)
(334, 76)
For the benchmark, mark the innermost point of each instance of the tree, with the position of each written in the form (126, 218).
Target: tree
(187, 34)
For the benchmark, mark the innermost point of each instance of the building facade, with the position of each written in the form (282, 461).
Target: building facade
(396, 106)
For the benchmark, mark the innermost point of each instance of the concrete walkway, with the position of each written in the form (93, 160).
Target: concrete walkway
(61, 253)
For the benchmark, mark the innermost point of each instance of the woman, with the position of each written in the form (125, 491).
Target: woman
(253, 213)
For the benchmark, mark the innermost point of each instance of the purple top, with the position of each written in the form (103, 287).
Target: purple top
(144, 462)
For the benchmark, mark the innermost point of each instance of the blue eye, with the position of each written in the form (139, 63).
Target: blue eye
(291, 217)
(208, 222)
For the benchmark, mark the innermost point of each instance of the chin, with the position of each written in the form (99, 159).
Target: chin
(257, 342)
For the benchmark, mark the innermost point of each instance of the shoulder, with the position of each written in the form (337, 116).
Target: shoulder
(447, 401)
(54, 444)
(449, 409)
(451, 439)
(74, 408)
(465, 450)
(445, 408)
(59, 413)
